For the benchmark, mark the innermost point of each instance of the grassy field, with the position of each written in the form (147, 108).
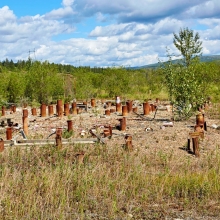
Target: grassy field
(111, 183)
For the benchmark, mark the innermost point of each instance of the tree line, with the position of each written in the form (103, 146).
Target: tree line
(186, 83)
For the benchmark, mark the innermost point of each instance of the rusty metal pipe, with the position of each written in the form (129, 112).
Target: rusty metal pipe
(129, 104)
(146, 108)
(3, 110)
(43, 110)
(1, 145)
(50, 110)
(34, 111)
(8, 133)
(59, 108)
(123, 124)
(66, 109)
(74, 108)
(93, 102)
(124, 110)
(70, 125)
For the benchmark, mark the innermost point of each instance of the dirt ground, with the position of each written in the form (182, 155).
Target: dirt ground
(156, 129)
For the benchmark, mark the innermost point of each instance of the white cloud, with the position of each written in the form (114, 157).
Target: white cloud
(138, 34)
(67, 3)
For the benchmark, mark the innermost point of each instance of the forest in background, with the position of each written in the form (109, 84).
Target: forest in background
(43, 82)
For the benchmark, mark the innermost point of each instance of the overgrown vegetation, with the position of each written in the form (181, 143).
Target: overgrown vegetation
(34, 81)
(43, 183)
(189, 81)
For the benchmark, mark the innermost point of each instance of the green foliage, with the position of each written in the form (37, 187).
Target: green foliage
(188, 44)
(185, 86)
(15, 87)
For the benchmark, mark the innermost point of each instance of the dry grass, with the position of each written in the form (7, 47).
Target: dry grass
(111, 183)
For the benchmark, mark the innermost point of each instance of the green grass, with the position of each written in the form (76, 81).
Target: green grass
(43, 183)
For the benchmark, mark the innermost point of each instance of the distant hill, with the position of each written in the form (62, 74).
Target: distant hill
(156, 65)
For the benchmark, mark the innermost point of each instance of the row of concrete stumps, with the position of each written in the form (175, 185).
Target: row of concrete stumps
(74, 109)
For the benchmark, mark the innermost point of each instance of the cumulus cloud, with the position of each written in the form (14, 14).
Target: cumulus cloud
(138, 32)
(67, 3)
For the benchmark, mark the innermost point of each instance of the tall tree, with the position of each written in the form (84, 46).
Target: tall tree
(188, 44)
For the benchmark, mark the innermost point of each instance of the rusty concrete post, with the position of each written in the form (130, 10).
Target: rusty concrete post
(66, 109)
(110, 130)
(124, 110)
(106, 132)
(3, 110)
(123, 124)
(195, 141)
(34, 111)
(128, 142)
(153, 108)
(70, 125)
(50, 110)
(13, 108)
(107, 112)
(134, 109)
(200, 119)
(129, 104)
(112, 110)
(1, 145)
(146, 108)
(43, 111)
(8, 133)
(25, 112)
(93, 103)
(118, 104)
(59, 108)
(59, 138)
(118, 107)
(74, 108)
(25, 121)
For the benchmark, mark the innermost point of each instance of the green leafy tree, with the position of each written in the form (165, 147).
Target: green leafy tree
(188, 44)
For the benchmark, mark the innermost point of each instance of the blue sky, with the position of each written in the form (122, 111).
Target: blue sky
(103, 32)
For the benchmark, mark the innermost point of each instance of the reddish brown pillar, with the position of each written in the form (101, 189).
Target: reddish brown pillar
(50, 110)
(59, 108)
(14, 108)
(93, 102)
(134, 109)
(118, 107)
(110, 130)
(124, 110)
(153, 108)
(8, 133)
(146, 107)
(70, 125)
(66, 109)
(25, 121)
(1, 145)
(43, 110)
(112, 110)
(123, 124)
(128, 142)
(196, 146)
(200, 119)
(129, 104)
(74, 108)
(59, 138)
(3, 110)
(107, 112)
(34, 111)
